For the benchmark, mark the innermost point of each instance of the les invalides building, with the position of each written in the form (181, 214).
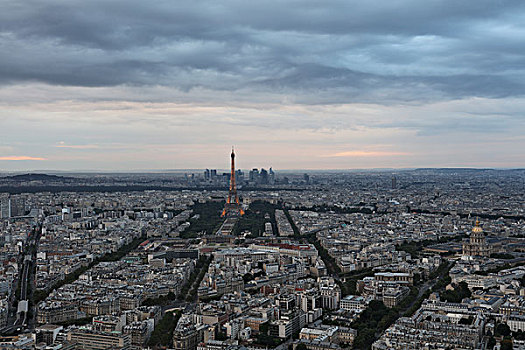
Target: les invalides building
(477, 245)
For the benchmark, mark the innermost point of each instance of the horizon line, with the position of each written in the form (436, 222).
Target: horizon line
(31, 171)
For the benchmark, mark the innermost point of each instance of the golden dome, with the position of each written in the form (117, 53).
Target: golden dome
(477, 228)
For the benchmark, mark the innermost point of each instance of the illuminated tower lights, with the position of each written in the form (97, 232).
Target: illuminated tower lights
(232, 203)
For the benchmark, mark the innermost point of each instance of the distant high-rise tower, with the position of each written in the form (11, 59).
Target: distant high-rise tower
(5, 207)
(394, 182)
(254, 175)
(263, 176)
(271, 176)
(306, 178)
(232, 207)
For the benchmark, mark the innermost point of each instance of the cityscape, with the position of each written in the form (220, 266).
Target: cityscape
(408, 259)
(262, 175)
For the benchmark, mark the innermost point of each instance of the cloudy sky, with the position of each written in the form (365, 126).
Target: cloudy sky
(129, 85)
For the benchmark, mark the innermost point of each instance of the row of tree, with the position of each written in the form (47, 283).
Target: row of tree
(194, 288)
(40, 295)
(329, 261)
(162, 335)
(377, 317)
(188, 290)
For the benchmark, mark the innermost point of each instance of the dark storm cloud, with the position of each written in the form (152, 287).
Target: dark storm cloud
(319, 52)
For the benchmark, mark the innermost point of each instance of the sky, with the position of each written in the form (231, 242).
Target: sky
(140, 85)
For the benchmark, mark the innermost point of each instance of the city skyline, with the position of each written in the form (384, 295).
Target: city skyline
(241, 175)
(128, 86)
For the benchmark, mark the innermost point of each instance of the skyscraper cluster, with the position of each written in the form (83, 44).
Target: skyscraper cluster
(262, 177)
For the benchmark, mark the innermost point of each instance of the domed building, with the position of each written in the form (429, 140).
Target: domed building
(477, 244)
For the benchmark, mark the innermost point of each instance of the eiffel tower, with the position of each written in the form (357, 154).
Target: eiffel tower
(232, 208)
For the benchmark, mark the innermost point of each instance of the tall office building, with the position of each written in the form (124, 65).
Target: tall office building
(5, 207)
(306, 178)
(239, 176)
(271, 176)
(18, 206)
(263, 176)
(254, 174)
(12, 206)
